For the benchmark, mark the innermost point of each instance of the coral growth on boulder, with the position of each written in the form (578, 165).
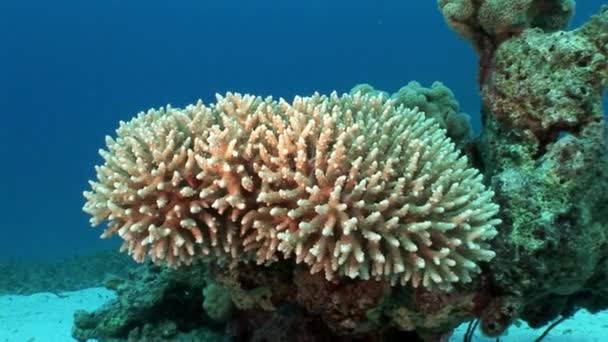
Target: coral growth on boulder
(542, 83)
(544, 150)
(352, 186)
(496, 20)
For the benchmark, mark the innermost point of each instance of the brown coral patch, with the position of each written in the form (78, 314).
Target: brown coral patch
(343, 306)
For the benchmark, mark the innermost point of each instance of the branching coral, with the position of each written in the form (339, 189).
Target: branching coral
(170, 185)
(351, 186)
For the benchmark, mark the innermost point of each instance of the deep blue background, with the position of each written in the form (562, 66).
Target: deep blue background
(70, 70)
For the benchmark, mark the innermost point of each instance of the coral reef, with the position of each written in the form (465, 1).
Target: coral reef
(349, 185)
(357, 186)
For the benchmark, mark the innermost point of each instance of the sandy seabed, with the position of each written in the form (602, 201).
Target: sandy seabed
(48, 317)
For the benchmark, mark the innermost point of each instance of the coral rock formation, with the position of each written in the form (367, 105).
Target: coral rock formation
(544, 152)
(544, 149)
(496, 20)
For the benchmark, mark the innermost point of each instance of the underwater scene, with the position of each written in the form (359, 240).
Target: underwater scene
(359, 171)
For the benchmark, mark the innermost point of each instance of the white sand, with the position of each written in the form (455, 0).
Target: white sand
(45, 317)
(583, 327)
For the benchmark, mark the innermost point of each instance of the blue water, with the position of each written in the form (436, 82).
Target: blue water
(70, 70)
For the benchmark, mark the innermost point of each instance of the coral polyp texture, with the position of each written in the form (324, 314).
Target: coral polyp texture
(437, 102)
(352, 186)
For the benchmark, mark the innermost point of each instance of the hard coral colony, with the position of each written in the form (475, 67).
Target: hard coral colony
(366, 211)
(351, 186)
